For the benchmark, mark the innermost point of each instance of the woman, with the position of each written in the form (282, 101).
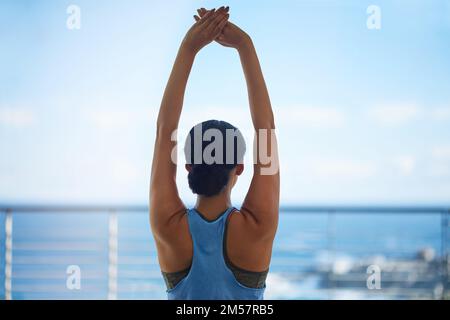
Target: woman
(214, 251)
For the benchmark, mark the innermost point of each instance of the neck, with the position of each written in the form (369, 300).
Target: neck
(212, 207)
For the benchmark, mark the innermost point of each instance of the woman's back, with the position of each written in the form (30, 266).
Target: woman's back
(211, 276)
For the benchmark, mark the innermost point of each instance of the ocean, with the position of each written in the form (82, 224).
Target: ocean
(315, 256)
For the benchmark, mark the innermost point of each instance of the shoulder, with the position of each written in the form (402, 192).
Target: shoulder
(167, 219)
(248, 245)
(246, 224)
(173, 241)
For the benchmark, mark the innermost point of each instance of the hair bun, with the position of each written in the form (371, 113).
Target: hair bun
(208, 180)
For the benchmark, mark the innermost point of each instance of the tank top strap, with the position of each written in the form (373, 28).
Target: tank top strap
(193, 214)
(228, 212)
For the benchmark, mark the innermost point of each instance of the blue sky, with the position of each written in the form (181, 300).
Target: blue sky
(363, 115)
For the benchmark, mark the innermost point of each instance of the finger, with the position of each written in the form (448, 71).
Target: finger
(216, 15)
(203, 11)
(217, 27)
(207, 16)
(222, 13)
(210, 21)
(220, 10)
(221, 25)
(197, 18)
(214, 22)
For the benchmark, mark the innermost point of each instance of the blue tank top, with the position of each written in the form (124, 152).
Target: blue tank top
(209, 277)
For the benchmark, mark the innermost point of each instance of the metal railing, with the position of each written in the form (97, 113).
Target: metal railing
(332, 279)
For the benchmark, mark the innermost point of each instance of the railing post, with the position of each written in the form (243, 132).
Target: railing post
(112, 255)
(330, 247)
(445, 252)
(8, 254)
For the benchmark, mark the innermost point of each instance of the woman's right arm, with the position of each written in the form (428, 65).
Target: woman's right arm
(261, 205)
(254, 229)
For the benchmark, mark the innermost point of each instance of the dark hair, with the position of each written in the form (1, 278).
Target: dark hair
(212, 162)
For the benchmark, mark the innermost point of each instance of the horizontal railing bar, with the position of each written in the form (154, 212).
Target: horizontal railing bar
(151, 288)
(363, 209)
(72, 208)
(284, 209)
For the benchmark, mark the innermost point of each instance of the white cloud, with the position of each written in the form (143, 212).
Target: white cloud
(124, 171)
(238, 116)
(116, 119)
(405, 164)
(441, 152)
(441, 114)
(439, 169)
(440, 161)
(394, 114)
(343, 168)
(16, 117)
(110, 119)
(315, 117)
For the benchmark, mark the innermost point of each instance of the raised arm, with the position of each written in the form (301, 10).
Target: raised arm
(164, 200)
(261, 205)
(262, 200)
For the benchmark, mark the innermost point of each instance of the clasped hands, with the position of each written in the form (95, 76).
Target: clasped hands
(213, 25)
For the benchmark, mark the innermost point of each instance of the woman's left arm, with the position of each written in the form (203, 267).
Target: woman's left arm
(164, 200)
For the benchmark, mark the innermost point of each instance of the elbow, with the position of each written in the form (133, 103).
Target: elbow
(267, 125)
(272, 120)
(265, 122)
(164, 129)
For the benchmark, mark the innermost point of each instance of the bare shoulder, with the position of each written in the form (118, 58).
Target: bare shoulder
(174, 243)
(248, 245)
